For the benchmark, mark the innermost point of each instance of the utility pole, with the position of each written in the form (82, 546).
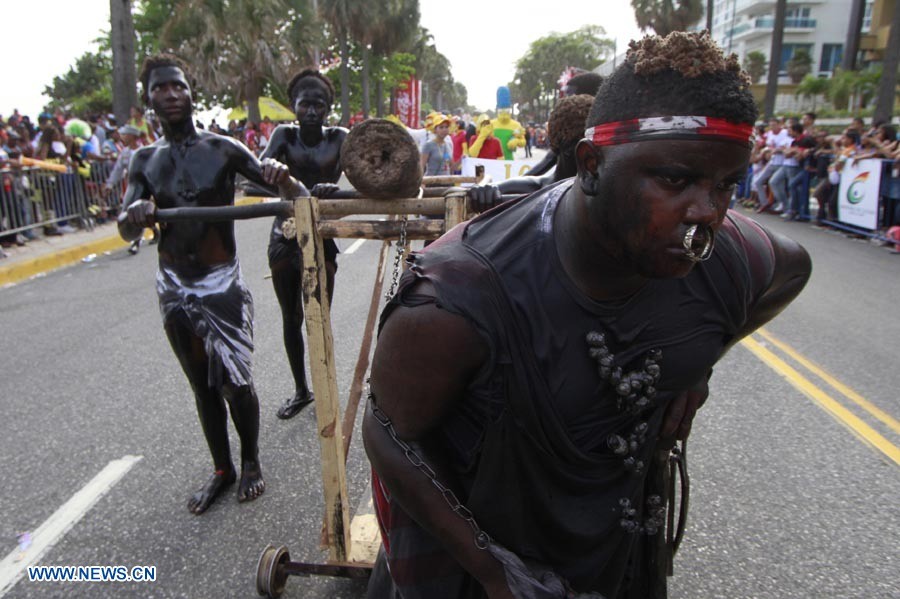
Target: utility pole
(122, 33)
(709, 16)
(775, 57)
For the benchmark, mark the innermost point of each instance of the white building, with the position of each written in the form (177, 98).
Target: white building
(817, 26)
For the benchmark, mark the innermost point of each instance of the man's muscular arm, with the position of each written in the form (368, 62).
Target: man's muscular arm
(792, 268)
(423, 363)
(140, 212)
(275, 147)
(791, 271)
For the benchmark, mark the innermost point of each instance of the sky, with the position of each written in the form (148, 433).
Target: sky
(481, 39)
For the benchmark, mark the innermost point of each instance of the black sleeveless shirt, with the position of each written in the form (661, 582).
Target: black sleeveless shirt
(537, 441)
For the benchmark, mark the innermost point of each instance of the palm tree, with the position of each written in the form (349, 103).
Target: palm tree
(755, 65)
(239, 60)
(887, 91)
(812, 87)
(392, 31)
(122, 34)
(666, 16)
(346, 18)
(799, 66)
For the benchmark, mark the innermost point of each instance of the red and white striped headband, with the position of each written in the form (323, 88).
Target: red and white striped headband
(669, 127)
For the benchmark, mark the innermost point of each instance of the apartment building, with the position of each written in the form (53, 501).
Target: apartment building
(817, 26)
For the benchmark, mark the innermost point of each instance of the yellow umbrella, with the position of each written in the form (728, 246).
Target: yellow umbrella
(267, 108)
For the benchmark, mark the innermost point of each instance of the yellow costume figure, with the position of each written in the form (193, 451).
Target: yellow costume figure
(484, 130)
(510, 133)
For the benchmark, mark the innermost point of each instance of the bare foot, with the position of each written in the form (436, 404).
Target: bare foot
(252, 484)
(203, 498)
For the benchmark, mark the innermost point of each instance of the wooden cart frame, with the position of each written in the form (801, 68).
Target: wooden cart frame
(352, 545)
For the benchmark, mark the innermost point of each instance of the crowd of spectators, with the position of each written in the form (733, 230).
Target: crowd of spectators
(795, 161)
(96, 148)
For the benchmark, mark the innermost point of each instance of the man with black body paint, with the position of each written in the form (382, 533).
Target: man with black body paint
(312, 152)
(207, 310)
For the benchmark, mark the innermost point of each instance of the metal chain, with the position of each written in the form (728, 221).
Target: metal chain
(398, 258)
(482, 539)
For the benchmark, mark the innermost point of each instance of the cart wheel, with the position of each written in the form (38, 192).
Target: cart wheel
(262, 569)
(270, 574)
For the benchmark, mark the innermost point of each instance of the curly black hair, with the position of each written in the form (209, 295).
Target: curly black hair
(585, 83)
(160, 60)
(680, 74)
(566, 124)
(296, 80)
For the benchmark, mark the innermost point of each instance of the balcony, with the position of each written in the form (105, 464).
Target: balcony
(755, 7)
(763, 26)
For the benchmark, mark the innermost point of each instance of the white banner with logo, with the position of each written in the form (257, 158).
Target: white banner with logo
(499, 170)
(858, 193)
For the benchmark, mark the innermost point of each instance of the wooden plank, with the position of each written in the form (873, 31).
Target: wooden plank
(380, 229)
(324, 380)
(447, 180)
(433, 206)
(455, 210)
(366, 539)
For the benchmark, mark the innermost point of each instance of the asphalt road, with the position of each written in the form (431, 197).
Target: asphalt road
(787, 501)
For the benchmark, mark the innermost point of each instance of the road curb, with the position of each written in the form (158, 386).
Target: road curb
(66, 257)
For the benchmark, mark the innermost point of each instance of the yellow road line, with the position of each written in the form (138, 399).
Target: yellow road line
(846, 391)
(842, 414)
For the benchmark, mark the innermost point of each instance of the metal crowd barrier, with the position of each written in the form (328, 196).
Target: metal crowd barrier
(33, 198)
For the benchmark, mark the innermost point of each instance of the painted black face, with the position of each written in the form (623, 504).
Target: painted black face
(311, 104)
(170, 94)
(653, 197)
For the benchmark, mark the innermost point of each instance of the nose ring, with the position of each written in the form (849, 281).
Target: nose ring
(698, 243)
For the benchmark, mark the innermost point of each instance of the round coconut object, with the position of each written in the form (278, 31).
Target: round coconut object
(381, 160)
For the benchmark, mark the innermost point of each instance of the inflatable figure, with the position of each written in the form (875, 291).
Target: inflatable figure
(484, 144)
(510, 133)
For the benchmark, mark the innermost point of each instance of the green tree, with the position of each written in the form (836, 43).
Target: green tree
(840, 88)
(150, 18)
(389, 72)
(666, 16)
(799, 66)
(86, 88)
(755, 64)
(858, 86)
(345, 18)
(538, 71)
(812, 87)
(238, 47)
(394, 31)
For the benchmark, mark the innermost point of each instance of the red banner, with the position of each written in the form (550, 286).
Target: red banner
(408, 100)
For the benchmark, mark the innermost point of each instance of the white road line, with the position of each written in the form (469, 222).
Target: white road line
(354, 246)
(13, 566)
